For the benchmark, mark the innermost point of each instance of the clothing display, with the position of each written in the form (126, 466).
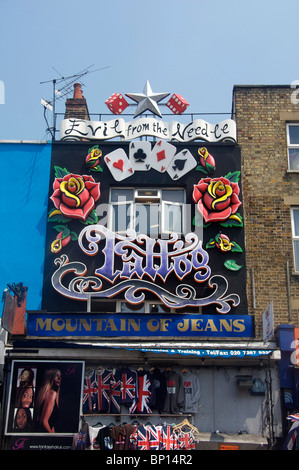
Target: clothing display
(191, 386)
(130, 437)
(106, 390)
(174, 401)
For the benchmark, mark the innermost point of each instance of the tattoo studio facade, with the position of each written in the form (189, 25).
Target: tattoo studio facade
(144, 298)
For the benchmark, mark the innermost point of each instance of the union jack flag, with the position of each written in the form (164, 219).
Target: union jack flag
(186, 441)
(290, 441)
(103, 389)
(155, 437)
(140, 438)
(293, 417)
(115, 392)
(169, 439)
(141, 404)
(89, 391)
(128, 386)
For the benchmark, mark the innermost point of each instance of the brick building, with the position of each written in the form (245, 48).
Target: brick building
(266, 117)
(241, 375)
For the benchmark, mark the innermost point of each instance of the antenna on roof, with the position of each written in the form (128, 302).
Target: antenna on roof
(63, 91)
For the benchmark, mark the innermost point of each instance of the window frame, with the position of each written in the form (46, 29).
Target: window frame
(291, 146)
(137, 199)
(295, 238)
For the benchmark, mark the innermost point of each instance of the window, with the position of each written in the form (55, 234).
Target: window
(295, 235)
(152, 211)
(293, 146)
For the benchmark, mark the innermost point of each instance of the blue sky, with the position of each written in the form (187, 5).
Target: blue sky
(196, 48)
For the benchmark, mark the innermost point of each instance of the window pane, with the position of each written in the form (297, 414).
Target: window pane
(148, 219)
(294, 135)
(296, 222)
(119, 194)
(173, 218)
(129, 308)
(294, 159)
(158, 308)
(121, 217)
(296, 255)
(170, 195)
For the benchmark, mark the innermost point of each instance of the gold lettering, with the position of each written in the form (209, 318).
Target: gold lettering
(196, 325)
(42, 323)
(211, 325)
(99, 322)
(84, 323)
(224, 324)
(239, 325)
(183, 326)
(122, 324)
(68, 325)
(132, 323)
(151, 326)
(164, 324)
(110, 324)
(56, 326)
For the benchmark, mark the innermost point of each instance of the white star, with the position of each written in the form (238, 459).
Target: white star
(147, 100)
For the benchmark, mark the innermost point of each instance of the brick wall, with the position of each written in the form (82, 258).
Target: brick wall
(269, 190)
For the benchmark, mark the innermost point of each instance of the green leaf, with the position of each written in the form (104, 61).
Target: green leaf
(233, 221)
(91, 219)
(60, 172)
(232, 265)
(202, 169)
(61, 228)
(211, 243)
(236, 247)
(74, 236)
(234, 177)
(56, 216)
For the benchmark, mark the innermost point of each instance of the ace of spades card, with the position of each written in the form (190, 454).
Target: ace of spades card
(140, 155)
(162, 155)
(119, 164)
(182, 163)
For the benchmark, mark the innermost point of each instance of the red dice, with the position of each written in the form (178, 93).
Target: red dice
(177, 104)
(117, 103)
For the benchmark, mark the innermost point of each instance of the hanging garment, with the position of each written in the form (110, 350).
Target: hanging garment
(121, 436)
(104, 438)
(140, 438)
(174, 401)
(155, 437)
(89, 391)
(191, 385)
(115, 394)
(128, 386)
(141, 404)
(186, 440)
(169, 439)
(159, 387)
(103, 379)
(81, 440)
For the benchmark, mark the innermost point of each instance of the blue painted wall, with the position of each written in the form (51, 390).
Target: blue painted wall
(24, 187)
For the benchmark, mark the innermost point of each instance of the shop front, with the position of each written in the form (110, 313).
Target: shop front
(144, 319)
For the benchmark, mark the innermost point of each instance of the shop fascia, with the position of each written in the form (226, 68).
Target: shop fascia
(174, 130)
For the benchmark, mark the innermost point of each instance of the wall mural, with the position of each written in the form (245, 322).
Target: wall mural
(133, 264)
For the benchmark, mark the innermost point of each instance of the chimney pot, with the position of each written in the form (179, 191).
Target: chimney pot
(77, 91)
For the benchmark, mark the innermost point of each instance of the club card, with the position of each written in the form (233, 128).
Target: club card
(162, 155)
(119, 164)
(140, 155)
(182, 163)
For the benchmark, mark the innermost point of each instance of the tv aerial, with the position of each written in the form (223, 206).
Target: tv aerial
(59, 92)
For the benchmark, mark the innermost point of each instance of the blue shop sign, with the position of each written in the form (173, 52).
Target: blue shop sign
(138, 325)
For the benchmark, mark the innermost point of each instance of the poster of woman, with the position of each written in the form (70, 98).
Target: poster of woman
(45, 397)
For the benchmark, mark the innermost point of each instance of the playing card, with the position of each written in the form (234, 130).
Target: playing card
(139, 155)
(182, 163)
(119, 164)
(162, 155)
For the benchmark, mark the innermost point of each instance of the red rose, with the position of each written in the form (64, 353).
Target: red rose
(217, 199)
(75, 195)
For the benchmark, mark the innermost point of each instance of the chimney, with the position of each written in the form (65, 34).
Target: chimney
(76, 107)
